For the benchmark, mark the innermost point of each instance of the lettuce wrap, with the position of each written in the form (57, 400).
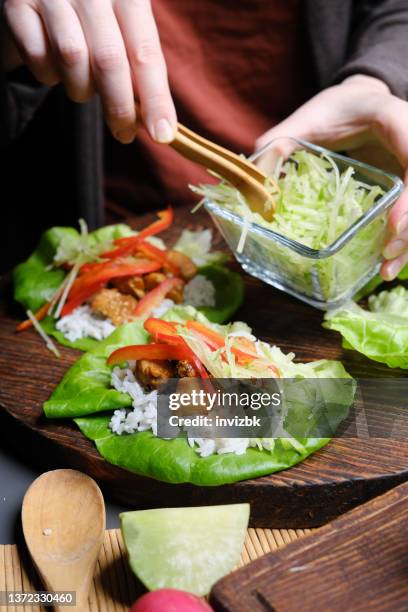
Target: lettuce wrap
(380, 333)
(86, 395)
(38, 278)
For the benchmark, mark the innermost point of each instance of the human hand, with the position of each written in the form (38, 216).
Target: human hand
(111, 47)
(358, 114)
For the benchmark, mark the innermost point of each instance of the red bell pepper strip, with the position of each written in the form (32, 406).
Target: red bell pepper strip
(127, 245)
(158, 255)
(148, 351)
(166, 331)
(39, 315)
(103, 272)
(154, 298)
(158, 326)
(80, 296)
(213, 340)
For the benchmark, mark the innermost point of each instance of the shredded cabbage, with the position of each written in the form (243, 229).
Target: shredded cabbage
(315, 205)
(197, 246)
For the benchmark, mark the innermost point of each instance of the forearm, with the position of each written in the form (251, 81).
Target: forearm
(379, 44)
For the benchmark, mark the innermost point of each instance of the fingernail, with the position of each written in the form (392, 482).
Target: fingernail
(392, 270)
(402, 224)
(163, 132)
(394, 248)
(127, 135)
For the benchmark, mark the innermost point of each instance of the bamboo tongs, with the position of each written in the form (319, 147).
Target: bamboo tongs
(238, 171)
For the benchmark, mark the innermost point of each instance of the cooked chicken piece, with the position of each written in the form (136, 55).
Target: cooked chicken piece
(155, 278)
(188, 269)
(152, 373)
(184, 369)
(176, 294)
(117, 307)
(130, 285)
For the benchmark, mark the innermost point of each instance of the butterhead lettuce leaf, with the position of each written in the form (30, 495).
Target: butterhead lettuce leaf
(380, 333)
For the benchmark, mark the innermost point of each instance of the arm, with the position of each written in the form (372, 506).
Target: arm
(379, 44)
(362, 111)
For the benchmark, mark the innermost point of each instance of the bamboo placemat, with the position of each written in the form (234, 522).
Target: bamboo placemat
(114, 587)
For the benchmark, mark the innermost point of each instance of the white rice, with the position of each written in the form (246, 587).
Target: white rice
(199, 292)
(144, 414)
(84, 323)
(143, 417)
(162, 308)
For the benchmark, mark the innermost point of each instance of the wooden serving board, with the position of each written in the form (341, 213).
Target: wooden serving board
(358, 562)
(344, 474)
(114, 587)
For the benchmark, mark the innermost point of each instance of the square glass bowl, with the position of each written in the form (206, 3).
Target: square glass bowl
(325, 278)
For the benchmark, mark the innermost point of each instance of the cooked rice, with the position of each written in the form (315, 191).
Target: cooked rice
(199, 292)
(84, 323)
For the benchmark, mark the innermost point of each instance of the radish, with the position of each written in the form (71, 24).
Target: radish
(170, 600)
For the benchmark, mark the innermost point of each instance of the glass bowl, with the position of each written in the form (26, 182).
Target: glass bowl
(325, 278)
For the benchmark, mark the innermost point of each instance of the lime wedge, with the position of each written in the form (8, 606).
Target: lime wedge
(185, 548)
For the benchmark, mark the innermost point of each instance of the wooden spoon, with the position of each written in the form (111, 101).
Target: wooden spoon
(63, 518)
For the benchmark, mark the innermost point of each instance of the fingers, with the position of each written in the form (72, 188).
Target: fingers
(32, 41)
(148, 67)
(69, 49)
(110, 66)
(391, 269)
(398, 217)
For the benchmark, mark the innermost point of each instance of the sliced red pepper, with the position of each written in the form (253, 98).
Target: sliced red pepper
(103, 272)
(128, 244)
(154, 298)
(148, 351)
(213, 340)
(39, 315)
(166, 331)
(158, 255)
(80, 296)
(158, 326)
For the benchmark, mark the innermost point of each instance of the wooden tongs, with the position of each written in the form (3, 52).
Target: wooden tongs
(238, 171)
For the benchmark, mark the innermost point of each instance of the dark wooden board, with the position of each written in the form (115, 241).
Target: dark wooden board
(345, 473)
(357, 562)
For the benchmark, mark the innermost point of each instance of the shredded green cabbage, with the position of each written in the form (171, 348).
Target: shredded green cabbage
(316, 204)
(197, 246)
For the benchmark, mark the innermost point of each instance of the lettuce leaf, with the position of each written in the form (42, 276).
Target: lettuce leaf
(176, 462)
(381, 333)
(86, 395)
(35, 282)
